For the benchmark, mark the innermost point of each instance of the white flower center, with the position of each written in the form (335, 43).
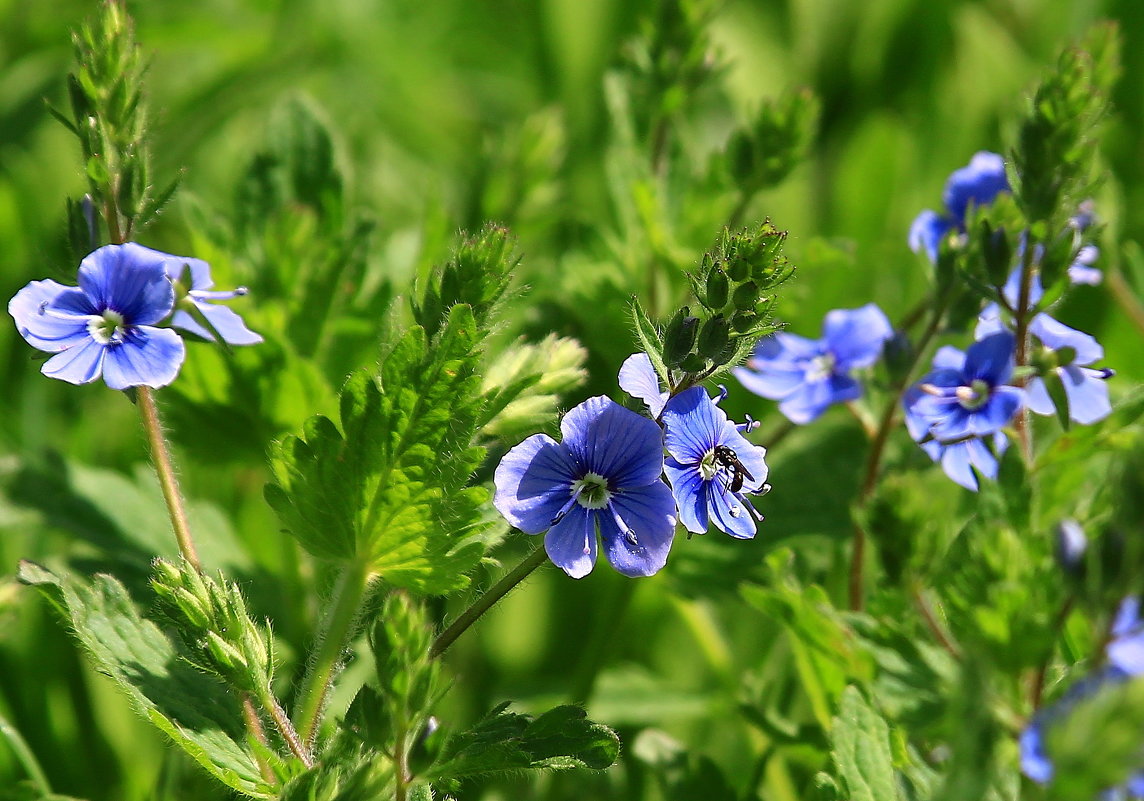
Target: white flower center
(591, 491)
(821, 366)
(106, 328)
(708, 467)
(974, 396)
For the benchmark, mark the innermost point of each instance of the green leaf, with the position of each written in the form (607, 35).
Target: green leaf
(650, 340)
(390, 488)
(560, 739)
(862, 750)
(524, 383)
(196, 711)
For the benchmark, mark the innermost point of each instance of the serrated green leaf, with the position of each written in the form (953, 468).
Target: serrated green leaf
(862, 750)
(560, 739)
(650, 340)
(389, 487)
(196, 711)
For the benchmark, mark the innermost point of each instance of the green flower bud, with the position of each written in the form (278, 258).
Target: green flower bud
(746, 296)
(714, 336)
(227, 659)
(694, 364)
(998, 254)
(717, 289)
(191, 608)
(738, 268)
(679, 338)
(744, 321)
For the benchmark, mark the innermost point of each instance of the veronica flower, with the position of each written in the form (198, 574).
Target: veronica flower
(958, 409)
(1064, 352)
(639, 379)
(711, 466)
(604, 476)
(1125, 653)
(1081, 271)
(192, 281)
(808, 375)
(106, 325)
(979, 183)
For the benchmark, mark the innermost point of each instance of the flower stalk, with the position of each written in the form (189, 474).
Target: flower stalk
(168, 482)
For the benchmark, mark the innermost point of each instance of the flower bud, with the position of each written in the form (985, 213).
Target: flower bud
(694, 363)
(738, 268)
(998, 254)
(744, 321)
(714, 336)
(679, 338)
(746, 296)
(718, 288)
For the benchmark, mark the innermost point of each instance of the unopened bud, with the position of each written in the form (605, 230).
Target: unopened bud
(718, 287)
(679, 338)
(714, 336)
(746, 296)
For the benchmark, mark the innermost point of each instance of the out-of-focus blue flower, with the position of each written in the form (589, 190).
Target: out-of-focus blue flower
(192, 281)
(1081, 271)
(107, 325)
(980, 182)
(1125, 652)
(711, 466)
(808, 375)
(958, 409)
(1071, 546)
(638, 378)
(605, 476)
(1065, 351)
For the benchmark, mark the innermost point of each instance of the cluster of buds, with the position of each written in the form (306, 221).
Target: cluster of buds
(735, 285)
(211, 618)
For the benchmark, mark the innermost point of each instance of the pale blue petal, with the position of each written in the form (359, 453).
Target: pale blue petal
(1037, 397)
(80, 364)
(614, 442)
(813, 398)
(176, 266)
(1003, 404)
(980, 182)
(571, 543)
(784, 347)
(751, 456)
(955, 463)
(1035, 760)
(649, 514)
(692, 425)
(639, 379)
(533, 482)
(131, 280)
(49, 330)
(1126, 650)
(1087, 394)
(148, 357)
(769, 381)
(989, 322)
(687, 486)
(949, 358)
(1057, 335)
(856, 336)
(728, 513)
(926, 233)
(226, 321)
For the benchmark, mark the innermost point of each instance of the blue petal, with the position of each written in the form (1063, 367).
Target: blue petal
(687, 487)
(1087, 394)
(638, 378)
(571, 543)
(80, 364)
(533, 482)
(1037, 397)
(788, 348)
(692, 425)
(949, 358)
(991, 359)
(613, 442)
(856, 336)
(926, 233)
(131, 280)
(955, 462)
(728, 513)
(148, 357)
(989, 322)
(1002, 406)
(649, 515)
(1126, 650)
(1057, 335)
(751, 456)
(1035, 760)
(1081, 271)
(177, 266)
(1127, 618)
(980, 182)
(812, 399)
(227, 322)
(1012, 289)
(770, 381)
(48, 330)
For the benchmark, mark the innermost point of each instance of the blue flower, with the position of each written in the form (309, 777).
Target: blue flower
(1081, 271)
(711, 466)
(605, 476)
(807, 375)
(1064, 352)
(192, 280)
(106, 326)
(1125, 653)
(980, 182)
(958, 410)
(638, 378)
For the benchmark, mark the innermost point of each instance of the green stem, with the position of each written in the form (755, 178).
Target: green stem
(25, 757)
(286, 728)
(1022, 423)
(735, 218)
(485, 602)
(254, 726)
(339, 621)
(161, 454)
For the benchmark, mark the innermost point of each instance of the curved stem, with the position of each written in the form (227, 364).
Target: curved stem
(254, 726)
(485, 602)
(165, 469)
(336, 626)
(286, 728)
(735, 218)
(25, 757)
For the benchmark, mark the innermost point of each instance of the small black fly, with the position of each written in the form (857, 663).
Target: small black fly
(725, 456)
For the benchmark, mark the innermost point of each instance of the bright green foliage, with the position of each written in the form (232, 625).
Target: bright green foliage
(862, 752)
(524, 383)
(762, 154)
(195, 710)
(560, 739)
(389, 488)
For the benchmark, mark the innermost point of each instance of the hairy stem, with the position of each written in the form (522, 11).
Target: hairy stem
(25, 757)
(254, 726)
(286, 728)
(487, 599)
(164, 468)
(1022, 423)
(336, 627)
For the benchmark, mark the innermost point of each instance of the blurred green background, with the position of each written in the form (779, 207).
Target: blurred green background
(448, 114)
